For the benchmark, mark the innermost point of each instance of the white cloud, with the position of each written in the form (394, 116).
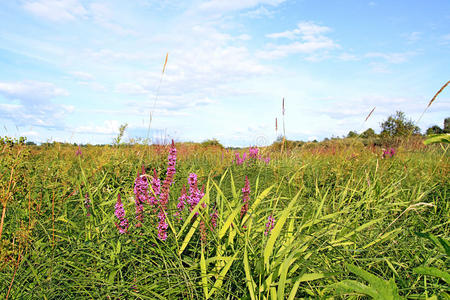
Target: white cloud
(260, 12)
(348, 57)
(414, 36)
(108, 127)
(104, 16)
(378, 67)
(308, 31)
(31, 92)
(234, 5)
(34, 104)
(312, 40)
(131, 88)
(56, 10)
(394, 58)
(82, 75)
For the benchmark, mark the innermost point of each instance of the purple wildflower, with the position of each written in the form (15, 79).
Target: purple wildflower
(195, 195)
(164, 195)
(162, 226)
(181, 202)
(214, 216)
(269, 225)
(78, 153)
(238, 159)
(392, 152)
(388, 153)
(253, 152)
(120, 214)
(141, 196)
(245, 197)
(156, 188)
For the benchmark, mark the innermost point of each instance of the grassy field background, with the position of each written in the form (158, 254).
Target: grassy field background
(349, 223)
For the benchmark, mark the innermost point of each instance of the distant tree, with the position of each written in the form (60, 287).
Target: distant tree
(369, 133)
(447, 125)
(352, 134)
(397, 125)
(212, 142)
(434, 130)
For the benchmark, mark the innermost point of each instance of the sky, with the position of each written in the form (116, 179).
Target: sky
(76, 70)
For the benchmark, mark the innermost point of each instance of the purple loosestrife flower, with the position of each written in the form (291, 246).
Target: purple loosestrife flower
(195, 195)
(245, 197)
(141, 196)
(269, 225)
(156, 188)
(214, 216)
(162, 226)
(181, 202)
(388, 152)
(253, 152)
(120, 214)
(237, 158)
(79, 153)
(164, 195)
(392, 152)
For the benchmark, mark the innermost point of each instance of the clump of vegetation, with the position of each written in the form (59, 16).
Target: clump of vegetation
(320, 219)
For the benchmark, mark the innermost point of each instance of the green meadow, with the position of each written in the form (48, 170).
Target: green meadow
(347, 222)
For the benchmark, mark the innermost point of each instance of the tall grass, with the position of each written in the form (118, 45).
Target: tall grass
(338, 209)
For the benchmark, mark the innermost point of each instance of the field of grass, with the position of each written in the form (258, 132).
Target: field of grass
(347, 222)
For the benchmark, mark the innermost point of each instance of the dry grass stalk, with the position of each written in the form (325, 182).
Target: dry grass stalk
(165, 62)
(411, 207)
(432, 99)
(368, 116)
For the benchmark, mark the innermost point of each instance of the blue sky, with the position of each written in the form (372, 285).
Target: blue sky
(75, 70)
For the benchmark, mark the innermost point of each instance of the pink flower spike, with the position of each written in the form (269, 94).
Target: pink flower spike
(269, 225)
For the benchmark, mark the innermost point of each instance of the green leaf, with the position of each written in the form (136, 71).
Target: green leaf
(203, 273)
(248, 277)
(431, 271)
(189, 235)
(438, 138)
(218, 284)
(268, 250)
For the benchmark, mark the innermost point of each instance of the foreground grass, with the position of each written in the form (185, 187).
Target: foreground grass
(340, 211)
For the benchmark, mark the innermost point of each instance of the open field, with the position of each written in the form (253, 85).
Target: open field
(311, 222)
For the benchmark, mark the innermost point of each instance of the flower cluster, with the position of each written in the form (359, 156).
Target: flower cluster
(181, 202)
(164, 193)
(253, 155)
(141, 196)
(387, 153)
(162, 226)
(165, 188)
(156, 189)
(119, 212)
(195, 195)
(214, 216)
(245, 197)
(253, 152)
(269, 225)
(79, 153)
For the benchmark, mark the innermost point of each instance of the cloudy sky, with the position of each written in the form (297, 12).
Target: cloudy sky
(75, 70)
